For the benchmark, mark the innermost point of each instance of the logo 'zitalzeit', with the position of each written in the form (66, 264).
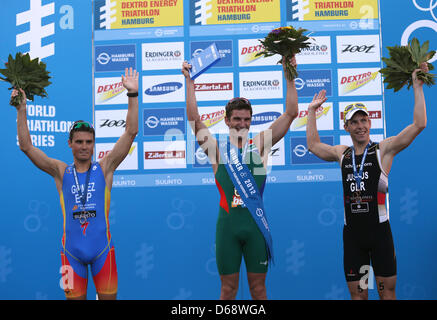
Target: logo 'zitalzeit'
(161, 155)
(354, 82)
(210, 119)
(109, 91)
(302, 118)
(213, 86)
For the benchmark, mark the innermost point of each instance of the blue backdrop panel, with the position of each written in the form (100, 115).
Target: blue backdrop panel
(411, 191)
(163, 220)
(32, 227)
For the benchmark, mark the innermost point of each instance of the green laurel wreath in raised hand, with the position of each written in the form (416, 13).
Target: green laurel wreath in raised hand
(403, 61)
(27, 74)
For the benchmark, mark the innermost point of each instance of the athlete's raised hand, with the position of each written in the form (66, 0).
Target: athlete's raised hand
(318, 100)
(130, 80)
(292, 61)
(186, 69)
(23, 100)
(416, 81)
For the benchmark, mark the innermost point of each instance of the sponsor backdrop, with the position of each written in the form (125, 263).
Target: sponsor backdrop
(164, 200)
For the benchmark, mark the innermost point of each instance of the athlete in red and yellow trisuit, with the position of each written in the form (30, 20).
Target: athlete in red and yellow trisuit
(84, 188)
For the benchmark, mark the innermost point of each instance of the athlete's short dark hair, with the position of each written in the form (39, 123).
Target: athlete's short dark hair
(237, 104)
(83, 126)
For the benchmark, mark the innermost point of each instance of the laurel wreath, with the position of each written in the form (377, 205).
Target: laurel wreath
(27, 74)
(403, 61)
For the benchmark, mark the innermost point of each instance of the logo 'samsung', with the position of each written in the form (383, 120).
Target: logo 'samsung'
(264, 117)
(163, 88)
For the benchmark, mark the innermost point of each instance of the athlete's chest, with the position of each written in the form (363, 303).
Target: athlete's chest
(87, 187)
(360, 175)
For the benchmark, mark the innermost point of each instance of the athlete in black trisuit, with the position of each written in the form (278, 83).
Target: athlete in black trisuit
(367, 237)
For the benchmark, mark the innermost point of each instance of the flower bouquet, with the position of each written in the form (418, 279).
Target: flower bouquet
(403, 61)
(29, 75)
(285, 41)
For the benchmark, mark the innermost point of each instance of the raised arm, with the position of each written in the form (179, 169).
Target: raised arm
(280, 126)
(122, 147)
(322, 150)
(203, 136)
(53, 167)
(393, 145)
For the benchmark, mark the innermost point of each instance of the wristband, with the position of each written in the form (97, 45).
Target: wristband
(132, 94)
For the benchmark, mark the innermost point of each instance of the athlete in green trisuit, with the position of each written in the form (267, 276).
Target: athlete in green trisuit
(237, 233)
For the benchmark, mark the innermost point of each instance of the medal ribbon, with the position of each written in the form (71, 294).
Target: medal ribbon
(357, 176)
(82, 195)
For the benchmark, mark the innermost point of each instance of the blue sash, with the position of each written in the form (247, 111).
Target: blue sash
(247, 188)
